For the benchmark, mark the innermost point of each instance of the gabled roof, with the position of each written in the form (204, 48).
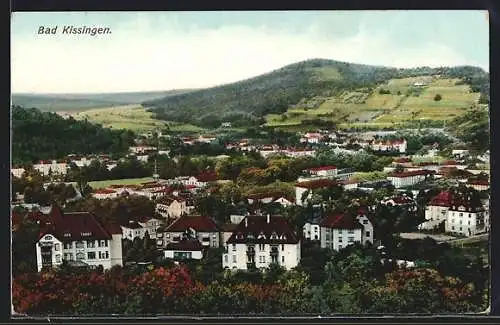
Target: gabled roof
(185, 245)
(341, 221)
(443, 199)
(255, 226)
(104, 191)
(168, 200)
(132, 225)
(72, 226)
(412, 173)
(322, 168)
(197, 222)
(210, 176)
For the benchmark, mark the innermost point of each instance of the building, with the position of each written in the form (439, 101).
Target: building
(310, 186)
(401, 200)
(408, 178)
(171, 207)
(312, 138)
(389, 145)
(466, 218)
(312, 227)
(479, 185)
(187, 249)
(133, 230)
(17, 172)
(150, 225)
(77, 237)
(259, 241)
(51, 167)
(326, 171)
(105, 193)
(436, 211)
(341, 229)
(198, 227)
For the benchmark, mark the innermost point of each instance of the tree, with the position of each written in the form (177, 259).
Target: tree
(437, 98)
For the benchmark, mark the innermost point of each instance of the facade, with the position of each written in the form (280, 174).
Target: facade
(303, 187)
(105, 193)
(312, 230)
(77, 237)
(47, 168)
(339, 230)
(436, 211)
(325, 171)
(133, 230)
(198, 227)
(259, 241)
(389, 145)
(150, 225)
(184, 250)
(479, 185)
(408, 178)
(465, 219)
(171, 207)
(17, 172)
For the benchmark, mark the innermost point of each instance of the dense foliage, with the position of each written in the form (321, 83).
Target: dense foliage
(42, 136)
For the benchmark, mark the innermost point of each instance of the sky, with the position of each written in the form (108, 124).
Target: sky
(148, 51)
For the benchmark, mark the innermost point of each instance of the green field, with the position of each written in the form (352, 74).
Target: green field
(132, 117)
(406, 102)
(127, 181)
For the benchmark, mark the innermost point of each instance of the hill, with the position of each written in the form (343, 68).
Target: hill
(40, 135)
(333, 88)
(81, 102)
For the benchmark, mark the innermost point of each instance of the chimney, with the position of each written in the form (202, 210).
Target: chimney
(268, 218)
(246, 222)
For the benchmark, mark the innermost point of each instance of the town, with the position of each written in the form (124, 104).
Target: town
(255, 206)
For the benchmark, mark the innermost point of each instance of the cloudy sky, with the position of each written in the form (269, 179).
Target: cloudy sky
(174, 50)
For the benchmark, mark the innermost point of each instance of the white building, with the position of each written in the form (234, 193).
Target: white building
(259, 241)
(133, 230)
(436, 211)
(312, 137)
(17, 172)
(326, 171)
(53, 167)
(339, 230)
(184, 250)
(141, 149)
(389, 145)
(150, 225)
(198, 227)
(408, 178)
(171, 207)
(311, 186)
(479, 185)
(465, 219)
(77, 237)
(312, 229)
(105, 193)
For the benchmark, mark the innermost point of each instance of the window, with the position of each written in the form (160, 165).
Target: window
(460, 214)
(226, 259)
(106, 254)
(282, 247)
(80, 244)
(367, 234)
(214, 236)
(350, 231)
(58, 258)
(234, 258)
(68, 256)
(283, 259)
(340, 239)
(90, 244)
(340, 231)
(234, 247)
(68, 245)
(80, 256)
(340, 246)
(48, 237)
(365, 222)
(350, 239)
(57, 247)
(91, 255)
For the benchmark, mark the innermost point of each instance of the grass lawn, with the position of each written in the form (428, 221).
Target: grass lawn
(127, 181)
(476, 248)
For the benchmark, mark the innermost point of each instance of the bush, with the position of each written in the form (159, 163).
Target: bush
(437, 98)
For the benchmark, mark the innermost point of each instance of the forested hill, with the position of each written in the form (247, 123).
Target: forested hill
(40, 135)
(248, 101)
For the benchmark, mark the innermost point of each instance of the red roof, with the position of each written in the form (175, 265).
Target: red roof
(167, 200)
(402, 160)
(198, 223)
(320, 183)
(341, 221)
(479, 182)
(133, 225)
(449, 162)
(257, 225)
(443, 199)
(72, 226)
(185, 245)
(402, 200)
(317, 169)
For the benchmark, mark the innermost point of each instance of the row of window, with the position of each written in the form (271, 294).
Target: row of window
(262, 259)
(262, 247)
(81, 244)
(81, 256)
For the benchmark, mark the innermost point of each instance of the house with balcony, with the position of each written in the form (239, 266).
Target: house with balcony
(338, 230)
(171, 207)
(259, 241)
(77, 238)
(186, 249)
(133, 230)
(198, 227)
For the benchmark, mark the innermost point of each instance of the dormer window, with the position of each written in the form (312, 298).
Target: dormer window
(274, 235)
(86, 234)
(67, 234)
(48, 237)
(239, 236)
(261, 236)
(283, 237)
(250, 236)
